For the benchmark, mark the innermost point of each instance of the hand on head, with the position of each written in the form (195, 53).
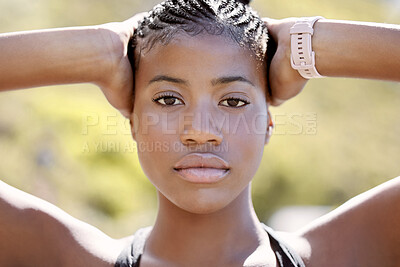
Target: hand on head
(118, 86)
(284, 81)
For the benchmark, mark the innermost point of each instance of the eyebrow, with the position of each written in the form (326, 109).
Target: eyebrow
(230, 79)
(165, 78)
(214, 82)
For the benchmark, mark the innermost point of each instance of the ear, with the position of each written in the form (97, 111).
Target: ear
(270, 127)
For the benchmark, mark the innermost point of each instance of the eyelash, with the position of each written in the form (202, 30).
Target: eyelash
(164, 95)
(236, 98)
(168, 95)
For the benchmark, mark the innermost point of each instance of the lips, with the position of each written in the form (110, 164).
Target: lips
(202, 168)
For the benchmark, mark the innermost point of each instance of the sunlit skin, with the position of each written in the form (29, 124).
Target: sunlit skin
(190, 214)
(198, 225)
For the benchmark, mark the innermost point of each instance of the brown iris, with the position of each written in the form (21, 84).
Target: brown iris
(233, 102)
(169, 100)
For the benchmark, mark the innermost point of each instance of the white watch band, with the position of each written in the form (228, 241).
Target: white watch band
(302, 58)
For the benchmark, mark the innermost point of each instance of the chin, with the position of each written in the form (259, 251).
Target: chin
(202, 209)
(202, 202)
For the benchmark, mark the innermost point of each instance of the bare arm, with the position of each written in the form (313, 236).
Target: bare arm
(357, 49)
(55, 56)
(342, 49)
(365, 231)
(34, 232)
(93, 54)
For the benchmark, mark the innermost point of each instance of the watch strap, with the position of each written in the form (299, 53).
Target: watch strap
(302, 58)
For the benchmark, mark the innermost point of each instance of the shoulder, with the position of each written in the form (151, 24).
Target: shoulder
(35, 232)
(362, 232)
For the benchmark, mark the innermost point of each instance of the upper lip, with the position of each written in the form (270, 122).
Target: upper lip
(201, 160)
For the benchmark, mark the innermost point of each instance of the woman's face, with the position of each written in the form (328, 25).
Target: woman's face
(196, 99)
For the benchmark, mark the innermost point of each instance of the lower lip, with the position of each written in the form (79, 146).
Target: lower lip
(202, 175)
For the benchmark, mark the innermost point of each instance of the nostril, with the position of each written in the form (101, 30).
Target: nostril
(193, 141)
(200, 137)
(213, 141)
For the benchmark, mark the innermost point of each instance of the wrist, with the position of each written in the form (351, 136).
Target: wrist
(302, 54)
(106, 46)
(319, 46)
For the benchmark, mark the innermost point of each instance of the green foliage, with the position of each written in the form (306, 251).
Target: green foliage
(336, 139)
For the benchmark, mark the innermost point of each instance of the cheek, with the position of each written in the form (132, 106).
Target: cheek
(246, 139)
(246, 132)
(158, 147)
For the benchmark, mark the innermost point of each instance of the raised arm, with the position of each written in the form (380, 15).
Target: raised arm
(362, 232)
(342, 49)
(54, 56)
(357, 49)
(34, 232)
(93, 54)
(365, 230)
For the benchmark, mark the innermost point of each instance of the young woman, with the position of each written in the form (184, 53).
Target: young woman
(200, 68)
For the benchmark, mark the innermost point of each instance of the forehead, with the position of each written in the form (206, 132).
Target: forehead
(199, 59)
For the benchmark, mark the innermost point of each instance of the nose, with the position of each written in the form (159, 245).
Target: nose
(200, 129)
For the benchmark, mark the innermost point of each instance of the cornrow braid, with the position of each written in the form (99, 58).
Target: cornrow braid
(244, 2)
(232, 18)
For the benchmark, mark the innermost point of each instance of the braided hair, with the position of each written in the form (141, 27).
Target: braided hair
(233, 18)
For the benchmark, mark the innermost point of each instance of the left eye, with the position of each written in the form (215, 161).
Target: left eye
(168, 101)
(234, 102)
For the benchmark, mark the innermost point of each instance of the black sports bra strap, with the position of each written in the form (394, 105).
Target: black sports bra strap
(130, 256)
(285, 255)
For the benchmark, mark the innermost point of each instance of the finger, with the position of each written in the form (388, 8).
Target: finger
(133, 21)
(271, 25)
(124, 101)
(269, 21)
(126, 113)
(121, 97)
(125, 107)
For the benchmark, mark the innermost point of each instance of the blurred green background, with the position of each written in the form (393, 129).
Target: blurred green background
(65, 144)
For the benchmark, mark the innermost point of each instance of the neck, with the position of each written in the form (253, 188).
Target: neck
(178, 233)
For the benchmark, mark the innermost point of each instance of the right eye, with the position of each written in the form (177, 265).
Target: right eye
(168, 100)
